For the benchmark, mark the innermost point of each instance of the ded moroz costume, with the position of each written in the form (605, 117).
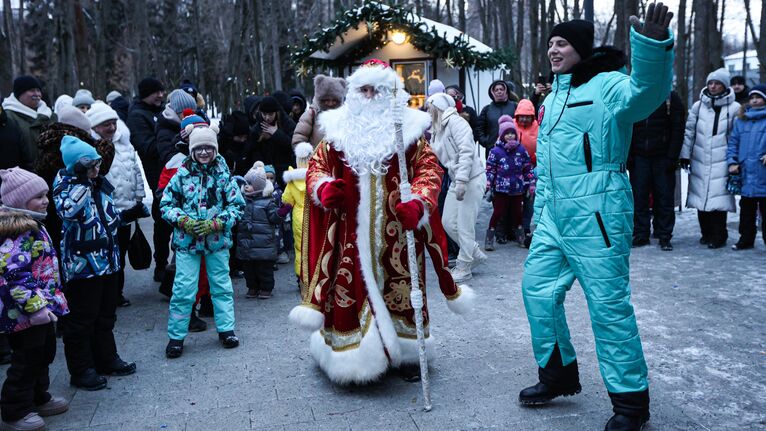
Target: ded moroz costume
(354, 261)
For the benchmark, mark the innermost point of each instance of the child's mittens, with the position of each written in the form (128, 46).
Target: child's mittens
(284, 210)
(42, 316)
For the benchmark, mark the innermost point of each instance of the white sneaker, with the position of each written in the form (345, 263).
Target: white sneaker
(283, 258)
(478, 257)
(54, 406)
(30, 422)
(461, 272)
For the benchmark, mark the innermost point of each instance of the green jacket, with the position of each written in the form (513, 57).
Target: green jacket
(31, 128)
(586, 125)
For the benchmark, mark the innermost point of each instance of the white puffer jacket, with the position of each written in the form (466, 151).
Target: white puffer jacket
(125, 173)
(455, 148)
(705, 142)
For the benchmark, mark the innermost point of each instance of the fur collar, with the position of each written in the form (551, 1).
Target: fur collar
(604, 59)
(12, 104)
(14, 222)
(294, 175)
(415, 123)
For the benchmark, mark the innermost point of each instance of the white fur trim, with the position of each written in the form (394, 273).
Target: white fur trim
(268, 190)
(306, 318)
(414, 125)
(464, 303)
(314, 195)
(303, 150)
(377, 76)
(364, 364)
(366, 254)
(12, 104)
(291, 175)
(425, 219)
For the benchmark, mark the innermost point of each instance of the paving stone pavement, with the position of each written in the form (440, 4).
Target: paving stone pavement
(700, 313)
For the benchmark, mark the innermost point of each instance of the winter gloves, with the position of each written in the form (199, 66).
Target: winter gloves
(459, 190)
(331, 194)
(284, 210)
(130, 215)
(200, 227)
(409, 213)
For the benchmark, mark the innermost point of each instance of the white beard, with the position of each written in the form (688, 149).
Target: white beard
(363, 130)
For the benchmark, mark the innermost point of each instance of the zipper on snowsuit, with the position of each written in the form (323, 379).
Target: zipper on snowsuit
(587, 150)
(107, 228)
(601, 227)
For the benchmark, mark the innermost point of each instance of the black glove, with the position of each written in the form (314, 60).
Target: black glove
(130, 215)
(684, 163)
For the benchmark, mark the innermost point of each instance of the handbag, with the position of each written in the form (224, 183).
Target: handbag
(139, 250)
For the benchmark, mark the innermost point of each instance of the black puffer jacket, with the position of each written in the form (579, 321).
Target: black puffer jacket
(487, 124)
(662, 134)
(276, 150)
(256, 236)
(12, 146)
(167, 136)
(142, 121)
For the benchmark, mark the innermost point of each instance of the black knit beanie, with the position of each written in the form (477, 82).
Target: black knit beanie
(149, 86)
(579, 34)
(737, 79)
(24, 83)
(269, 104)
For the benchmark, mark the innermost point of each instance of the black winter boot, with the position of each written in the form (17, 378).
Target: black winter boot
(555, 380)
(174, 349)
(631, 411)
(196, 324)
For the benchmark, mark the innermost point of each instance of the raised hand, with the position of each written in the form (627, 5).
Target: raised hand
(656, 24)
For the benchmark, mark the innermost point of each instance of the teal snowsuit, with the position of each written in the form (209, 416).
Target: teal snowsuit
(584, 211)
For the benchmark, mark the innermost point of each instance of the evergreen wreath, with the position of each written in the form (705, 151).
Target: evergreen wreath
(380, 21)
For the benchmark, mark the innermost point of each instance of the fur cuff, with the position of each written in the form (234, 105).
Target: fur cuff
(307, 318)
(464, 302)
(426, 218)
(317, 185)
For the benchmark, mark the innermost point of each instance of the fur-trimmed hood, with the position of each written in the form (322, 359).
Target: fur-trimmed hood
(291, 174)
(14, 222)
(604, 59)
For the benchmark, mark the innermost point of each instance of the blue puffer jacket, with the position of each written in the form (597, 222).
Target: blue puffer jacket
(202, 192)
(747, 144)
(509, 169)
(89, 234)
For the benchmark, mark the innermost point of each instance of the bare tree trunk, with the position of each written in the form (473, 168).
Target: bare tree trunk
(576, 10)
(682, 82)
(12, 37)
(707, 42)
(623, 10)
(588, 9)
(461, 15)
(534, 39)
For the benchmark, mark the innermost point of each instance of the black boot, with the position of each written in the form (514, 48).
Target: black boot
(409, 372)
(555, 380)
(88, 381)
(174, 349)
(228, 339)
(631, 411)
(205, 306)
(118, 367)
(196, 324)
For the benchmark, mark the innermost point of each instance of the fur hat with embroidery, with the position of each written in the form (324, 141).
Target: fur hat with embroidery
(376, 73)
(202, 136)
(328, 87)
(302, 154)
(257, 182)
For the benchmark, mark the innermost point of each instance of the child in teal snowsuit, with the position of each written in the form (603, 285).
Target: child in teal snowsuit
(584, 211)
(203, 203)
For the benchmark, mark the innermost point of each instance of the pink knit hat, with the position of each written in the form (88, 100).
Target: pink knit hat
(19, 187)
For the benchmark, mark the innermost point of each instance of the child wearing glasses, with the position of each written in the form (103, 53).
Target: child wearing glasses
(90, 258)
(203, 203)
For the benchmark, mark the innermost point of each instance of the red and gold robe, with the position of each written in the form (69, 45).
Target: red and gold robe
(355, 265)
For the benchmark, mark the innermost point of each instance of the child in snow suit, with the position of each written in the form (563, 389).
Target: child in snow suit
(30, 291)
(90, 258)
(746, 156)
(257, 243)
(509, 177)
(283, 238)
(168, 171)
(203, 204)
(294, 199)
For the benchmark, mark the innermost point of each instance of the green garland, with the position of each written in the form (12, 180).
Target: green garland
(384, 20)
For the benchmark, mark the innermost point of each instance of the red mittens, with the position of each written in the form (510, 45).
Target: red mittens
(409, 213)
(331, 194)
